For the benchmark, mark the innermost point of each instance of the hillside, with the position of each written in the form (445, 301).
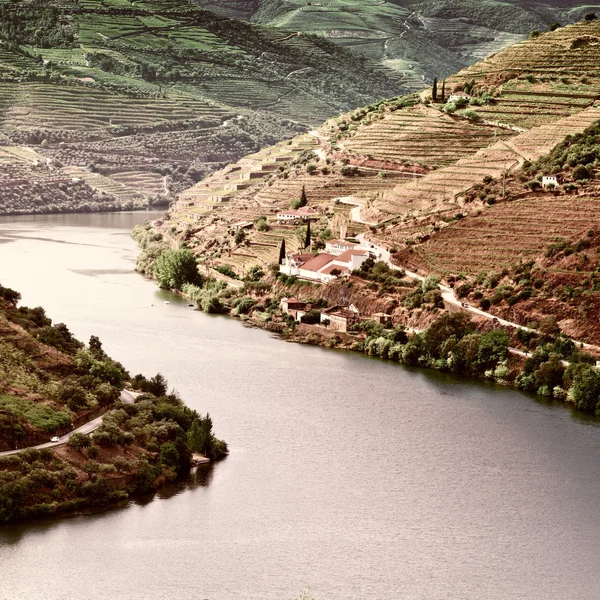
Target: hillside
(423, 40)
(436, 182)
(51, 384)
(137, 101)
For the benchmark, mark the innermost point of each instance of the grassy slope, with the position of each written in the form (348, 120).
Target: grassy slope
(146, 90)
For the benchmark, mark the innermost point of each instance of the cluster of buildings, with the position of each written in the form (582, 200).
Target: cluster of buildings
(336, 318)
(339, 259)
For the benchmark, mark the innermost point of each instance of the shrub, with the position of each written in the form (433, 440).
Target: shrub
(580, 172)
(79, 441)
(174, 268)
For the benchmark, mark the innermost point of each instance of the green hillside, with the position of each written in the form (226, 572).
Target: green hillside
(139, 100)
(422, 39)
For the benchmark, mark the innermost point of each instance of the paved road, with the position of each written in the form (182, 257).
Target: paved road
(449, 297)
(127, 397)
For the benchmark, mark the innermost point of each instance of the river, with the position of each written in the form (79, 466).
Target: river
(354, 477)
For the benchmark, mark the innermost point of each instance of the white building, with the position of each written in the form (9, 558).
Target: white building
(302, 214)
(337, 247)
(324, 267)
(549, 182)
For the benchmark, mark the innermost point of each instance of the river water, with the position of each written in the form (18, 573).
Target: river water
(353, 477)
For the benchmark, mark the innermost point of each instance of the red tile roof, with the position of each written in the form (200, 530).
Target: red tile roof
(304, 257)
(317, 263)
(346, 256)
(330, 268)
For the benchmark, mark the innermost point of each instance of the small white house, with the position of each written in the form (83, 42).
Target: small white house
(549, 182)
(459, 98)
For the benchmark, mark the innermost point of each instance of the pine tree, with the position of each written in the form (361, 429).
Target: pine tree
(434, 90)
(282, 252)
(303, 198)
(307, 240)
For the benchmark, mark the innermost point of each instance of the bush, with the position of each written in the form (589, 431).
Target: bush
(175, 268)
(78, 441)
(580, 172)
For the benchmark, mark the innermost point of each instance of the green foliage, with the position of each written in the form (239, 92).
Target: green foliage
(157, 385)
(38, 415)
(79, 441)
(59, 337)
(431, 282)
(201, 439)
(9, 295)
(174, 268)
(585, 390)
(255, 273)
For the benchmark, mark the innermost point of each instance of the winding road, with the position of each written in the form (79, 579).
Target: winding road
(127, 397)
(449, 297)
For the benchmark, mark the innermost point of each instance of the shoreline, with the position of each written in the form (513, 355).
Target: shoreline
(312, 335)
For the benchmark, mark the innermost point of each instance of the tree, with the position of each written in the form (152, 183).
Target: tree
(169, 456)
(580, 172)
(79, 441)
(434, 94)
(240, 236)
(431, 282)
(307, 238)
(444, 91)
(550, 373)
(451, 324)
(176, 267)
(303, 198)
(200, 435)
(493, 348)
(590, 17)
(585, 390)
(91, 467)
(282, 252)
(95, 344)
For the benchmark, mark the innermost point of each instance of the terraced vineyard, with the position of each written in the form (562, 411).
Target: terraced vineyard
(421, 39)
(505, 234)
(421, 134)
(154, 91)
(403, 168)
(552, 76)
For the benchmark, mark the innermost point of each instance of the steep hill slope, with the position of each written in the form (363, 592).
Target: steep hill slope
(425, 39)
(432, 181)
(139, 100)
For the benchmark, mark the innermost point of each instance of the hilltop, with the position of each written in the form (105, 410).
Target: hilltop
(109, 104)
(423, 179)
(423, 40)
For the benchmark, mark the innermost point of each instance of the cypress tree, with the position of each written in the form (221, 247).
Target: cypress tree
(307, 240)
(282, 252)
(303, 198)
(444, 91)
(434, 90)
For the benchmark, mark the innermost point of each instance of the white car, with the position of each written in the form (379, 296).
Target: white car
(55, 439)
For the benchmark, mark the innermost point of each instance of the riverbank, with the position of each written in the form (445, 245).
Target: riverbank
(416, 325)
(49, 382)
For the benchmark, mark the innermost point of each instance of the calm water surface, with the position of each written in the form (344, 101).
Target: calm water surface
(354, 477)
